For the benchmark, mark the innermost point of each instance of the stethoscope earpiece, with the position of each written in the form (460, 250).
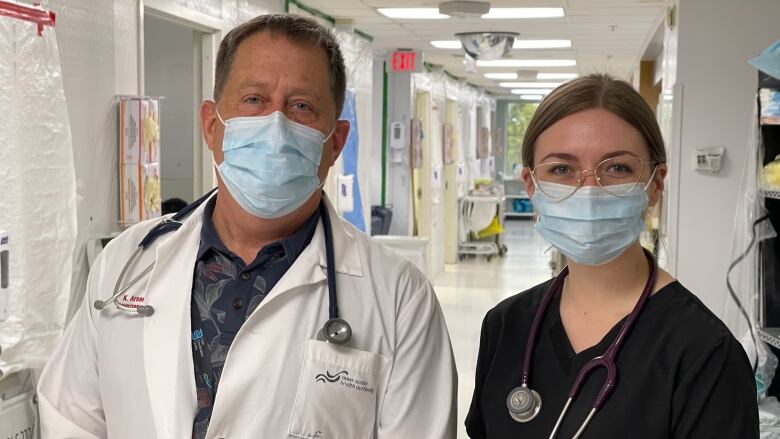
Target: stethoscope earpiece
(523, 404)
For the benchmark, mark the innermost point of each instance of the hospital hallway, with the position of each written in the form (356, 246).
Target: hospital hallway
(293, 212)
(467, 290)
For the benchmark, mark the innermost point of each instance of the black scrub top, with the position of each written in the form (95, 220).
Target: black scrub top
(680, 374)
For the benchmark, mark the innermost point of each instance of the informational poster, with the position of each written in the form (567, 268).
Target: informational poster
(350, 200)
(416, 140)
(139, 159)
(483, 150)
(497, 143)
(447, 143)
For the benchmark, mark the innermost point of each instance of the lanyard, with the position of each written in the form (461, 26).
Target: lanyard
(201, 354)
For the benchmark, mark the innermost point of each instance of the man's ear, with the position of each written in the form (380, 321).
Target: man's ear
(209, 122)
(339, 138)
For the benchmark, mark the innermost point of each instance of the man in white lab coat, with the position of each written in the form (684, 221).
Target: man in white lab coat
(233, 348)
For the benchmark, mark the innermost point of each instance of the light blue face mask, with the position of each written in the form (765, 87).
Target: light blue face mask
(270, 163)
(592, 227)
(769, 60)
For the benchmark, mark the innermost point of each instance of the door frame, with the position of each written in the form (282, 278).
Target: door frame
(210, 28)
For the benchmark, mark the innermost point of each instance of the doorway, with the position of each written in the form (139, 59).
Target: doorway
(178, 51)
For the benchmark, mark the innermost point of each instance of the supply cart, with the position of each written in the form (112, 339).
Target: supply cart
(481, 224)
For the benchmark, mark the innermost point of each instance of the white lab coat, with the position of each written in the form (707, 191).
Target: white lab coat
(121, 376)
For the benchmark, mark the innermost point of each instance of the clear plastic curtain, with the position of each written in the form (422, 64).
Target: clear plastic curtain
(38, 193)
(743, 278)
(358, 60)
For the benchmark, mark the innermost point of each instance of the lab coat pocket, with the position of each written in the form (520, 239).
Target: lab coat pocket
(337, 392)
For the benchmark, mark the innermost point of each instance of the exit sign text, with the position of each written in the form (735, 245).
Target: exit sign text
(406, 61)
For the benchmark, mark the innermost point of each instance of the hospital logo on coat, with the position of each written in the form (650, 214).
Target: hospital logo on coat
(327, 376)
(345, 380)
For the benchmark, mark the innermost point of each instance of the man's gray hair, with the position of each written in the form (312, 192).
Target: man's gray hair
(296, 28)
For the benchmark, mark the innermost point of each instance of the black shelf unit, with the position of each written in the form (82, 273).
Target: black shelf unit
(769, 249)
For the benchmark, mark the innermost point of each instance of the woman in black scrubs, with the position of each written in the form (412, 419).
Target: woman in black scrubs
(594, 166)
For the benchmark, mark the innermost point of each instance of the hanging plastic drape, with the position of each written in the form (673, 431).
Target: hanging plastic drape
(37, 196)
(356, 158)
(749, 230)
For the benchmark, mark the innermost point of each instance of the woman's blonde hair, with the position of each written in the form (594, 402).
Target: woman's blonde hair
(595, 91)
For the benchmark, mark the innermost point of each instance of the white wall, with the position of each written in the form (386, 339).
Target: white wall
(99, 50)
(398, 191)
(169, 67)
(714, 40)
(375, 194)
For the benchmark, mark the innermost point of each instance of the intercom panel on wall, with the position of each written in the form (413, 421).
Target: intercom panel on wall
(5, 275)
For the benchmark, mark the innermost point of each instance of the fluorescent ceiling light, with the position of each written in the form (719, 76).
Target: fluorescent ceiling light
(529, 84)
(531, 91)
(557, 76)
(531, 97)
(447, 44)
(524, 13)
(413, 13)
(501, 75)
(541, 44)
(528, 63)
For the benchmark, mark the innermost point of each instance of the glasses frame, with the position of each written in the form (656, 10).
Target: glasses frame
(582, 174)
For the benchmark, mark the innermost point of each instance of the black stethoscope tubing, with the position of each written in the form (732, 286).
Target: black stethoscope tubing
(335, 330)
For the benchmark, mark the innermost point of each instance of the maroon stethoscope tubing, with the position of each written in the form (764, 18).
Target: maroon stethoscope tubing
(607, 360)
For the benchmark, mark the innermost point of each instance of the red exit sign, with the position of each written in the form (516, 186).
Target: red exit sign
(406, 61)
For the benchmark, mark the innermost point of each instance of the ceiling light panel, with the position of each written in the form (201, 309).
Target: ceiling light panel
(501, 75)
(529, 84)
(510, 13)
(447, 44)
(528, 63)
(531, 91)
(531, 97)
(557, 76)
(413, 13)
(541, 44)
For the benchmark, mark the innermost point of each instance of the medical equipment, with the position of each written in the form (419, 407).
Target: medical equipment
(18, 406)
(525, 403)
(398, 142)
(476, 212)
(345, 201)
(335, 330)
(5, 276)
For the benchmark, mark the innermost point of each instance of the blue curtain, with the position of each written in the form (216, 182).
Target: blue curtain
(350, 155)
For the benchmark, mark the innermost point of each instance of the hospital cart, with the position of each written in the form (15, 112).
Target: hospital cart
(476, 212)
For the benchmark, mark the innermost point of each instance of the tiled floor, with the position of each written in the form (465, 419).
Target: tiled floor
(468, 290)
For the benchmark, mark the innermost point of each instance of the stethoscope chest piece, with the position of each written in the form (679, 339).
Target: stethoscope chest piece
(523, 404)
(336, 331)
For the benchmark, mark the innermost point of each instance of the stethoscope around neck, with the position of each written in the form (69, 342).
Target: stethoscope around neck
(525, 403)
(335, 330)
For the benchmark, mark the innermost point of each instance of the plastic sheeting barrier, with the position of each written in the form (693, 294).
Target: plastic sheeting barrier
(744, 275)
(38, 196)
(350, 155)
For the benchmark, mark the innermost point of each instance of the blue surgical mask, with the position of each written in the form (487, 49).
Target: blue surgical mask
(270, 163)
(591, 227)
(769, 60)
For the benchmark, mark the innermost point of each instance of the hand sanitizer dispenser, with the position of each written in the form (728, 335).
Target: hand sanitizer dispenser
(5, 277)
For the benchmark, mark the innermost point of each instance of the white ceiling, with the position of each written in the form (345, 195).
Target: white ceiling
(607, 35)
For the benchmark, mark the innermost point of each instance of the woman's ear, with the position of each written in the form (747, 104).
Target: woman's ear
(657, 185)
(528, 181)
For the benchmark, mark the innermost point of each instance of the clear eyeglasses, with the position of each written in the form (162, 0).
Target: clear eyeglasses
(616, 175)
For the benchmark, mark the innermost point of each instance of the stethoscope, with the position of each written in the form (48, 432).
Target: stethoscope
(525, 403)
(335, 330)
